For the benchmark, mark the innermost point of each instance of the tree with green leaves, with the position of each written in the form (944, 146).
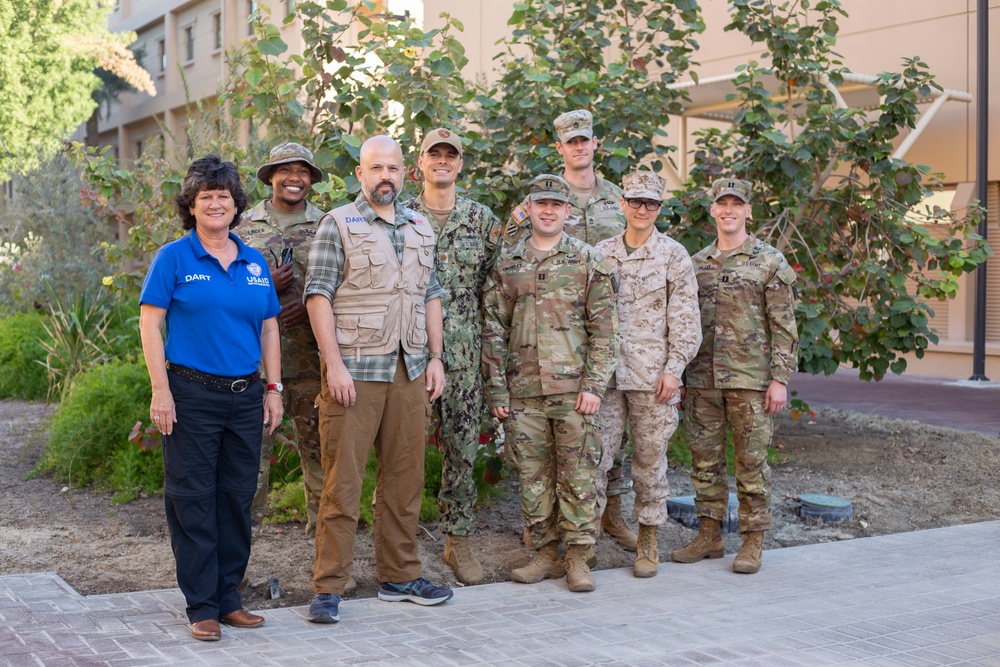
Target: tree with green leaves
(50, 50)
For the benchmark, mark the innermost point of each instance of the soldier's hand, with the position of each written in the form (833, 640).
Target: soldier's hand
(500, 412)
(666, 388)
(435, 378)
(283, 277)
(293, 312)
(341, 384)
(776, 398)
(587, 403)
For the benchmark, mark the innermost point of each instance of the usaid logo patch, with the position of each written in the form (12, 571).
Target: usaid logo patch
(254, 277)
(254, 269)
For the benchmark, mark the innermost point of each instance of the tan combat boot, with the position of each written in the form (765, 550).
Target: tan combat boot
(459, 558)
(706, 544)
(615, 526)
(578, 575)
(545, 565)
(748, 559)
(647, 556)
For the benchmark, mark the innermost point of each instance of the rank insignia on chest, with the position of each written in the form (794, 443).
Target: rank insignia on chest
(724, 279)
(541, 276)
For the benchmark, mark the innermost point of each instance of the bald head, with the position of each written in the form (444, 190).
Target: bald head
(381, 170)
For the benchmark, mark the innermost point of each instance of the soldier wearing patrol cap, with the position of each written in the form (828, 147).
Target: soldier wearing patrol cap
(595, 215)
(283, 226)
(468, 243)
(738, 378)
(660, 334)
(550, 347)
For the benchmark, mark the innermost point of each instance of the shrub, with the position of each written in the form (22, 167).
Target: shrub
(21, 374)
(88, 437)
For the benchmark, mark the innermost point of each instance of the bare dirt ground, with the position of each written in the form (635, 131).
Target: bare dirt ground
(900, 476)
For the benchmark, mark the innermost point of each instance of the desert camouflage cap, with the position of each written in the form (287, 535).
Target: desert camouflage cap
(578, 123)
(441, 136)
(285, 153)
(731, 186)
(547, 186)
(643, 184)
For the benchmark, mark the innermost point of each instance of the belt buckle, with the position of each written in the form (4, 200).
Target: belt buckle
(239, 386)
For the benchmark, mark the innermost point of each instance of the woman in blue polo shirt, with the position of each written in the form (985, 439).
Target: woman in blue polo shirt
(215, 298)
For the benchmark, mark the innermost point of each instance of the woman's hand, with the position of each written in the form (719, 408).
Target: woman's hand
(274, 410)
(162, 412)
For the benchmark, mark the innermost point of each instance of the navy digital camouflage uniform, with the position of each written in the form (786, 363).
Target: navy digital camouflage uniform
(551, 332)
(467, 248)
(749, 338)
(269, 231)
(602, 219)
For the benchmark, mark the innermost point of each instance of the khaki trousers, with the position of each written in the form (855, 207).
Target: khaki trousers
(392, 417)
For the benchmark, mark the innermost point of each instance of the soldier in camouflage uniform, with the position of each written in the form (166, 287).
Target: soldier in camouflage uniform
(285, 223)
(738, 378)
(468, 242)
(595, 215)
(660, 334)
(549, 351)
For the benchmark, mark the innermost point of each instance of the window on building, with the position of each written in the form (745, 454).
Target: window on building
(251, 10)
(137, 148)
(217, 31)
(161, 55)
(188, 43)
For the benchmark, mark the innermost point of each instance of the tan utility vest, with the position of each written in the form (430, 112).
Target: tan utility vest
(380, 304)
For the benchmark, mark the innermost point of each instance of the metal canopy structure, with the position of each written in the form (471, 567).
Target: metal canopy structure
(708, 100)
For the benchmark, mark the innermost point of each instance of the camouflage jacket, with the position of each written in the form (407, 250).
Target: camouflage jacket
(657, 310)
(551, 326)
(747, 318)
(269, 231)
(467, 248)
(602, 219)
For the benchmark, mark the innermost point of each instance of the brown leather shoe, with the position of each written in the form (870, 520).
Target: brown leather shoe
(241, 618)
(207, 630)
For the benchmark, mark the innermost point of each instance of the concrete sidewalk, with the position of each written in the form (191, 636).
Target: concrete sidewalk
(922, 598)
(961, 405)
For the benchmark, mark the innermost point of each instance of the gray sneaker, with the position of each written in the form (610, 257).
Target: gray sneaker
(419, 591)
(324, 608)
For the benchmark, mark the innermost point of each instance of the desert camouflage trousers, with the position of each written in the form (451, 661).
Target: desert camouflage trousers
(556, 450)
(708, 414)
(459, 414)
(300, 403)
(652, 425)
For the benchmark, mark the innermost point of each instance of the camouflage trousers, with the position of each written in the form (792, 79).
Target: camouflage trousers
(460, 413)
(708, 414)
(556, 450)
(300, 404)
(652, 425)
(618, 482)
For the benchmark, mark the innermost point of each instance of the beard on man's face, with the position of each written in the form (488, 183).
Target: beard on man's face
(377, 196)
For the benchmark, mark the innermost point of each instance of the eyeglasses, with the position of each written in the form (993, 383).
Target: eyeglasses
(638, 203)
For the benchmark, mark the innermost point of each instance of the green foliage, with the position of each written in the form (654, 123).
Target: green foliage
(286, 503)
(679, 453)
(88, 434)
(50, 49)
(75, 338)
(830, 196)
(21, 373)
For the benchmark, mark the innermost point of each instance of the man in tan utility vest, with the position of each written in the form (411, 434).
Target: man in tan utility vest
(374, 303)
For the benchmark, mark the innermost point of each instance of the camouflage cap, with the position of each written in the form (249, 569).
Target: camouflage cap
(578, 123)
(643, 184)
(730, 186)
(441, 136)
(285, 153)
(547, 186)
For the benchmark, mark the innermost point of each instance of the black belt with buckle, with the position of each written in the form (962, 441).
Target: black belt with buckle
(236, 385)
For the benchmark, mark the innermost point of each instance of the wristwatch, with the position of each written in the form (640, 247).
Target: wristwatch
(275, 388)
(434, 355)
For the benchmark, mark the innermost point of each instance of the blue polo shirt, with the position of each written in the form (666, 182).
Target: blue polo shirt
(214, 317)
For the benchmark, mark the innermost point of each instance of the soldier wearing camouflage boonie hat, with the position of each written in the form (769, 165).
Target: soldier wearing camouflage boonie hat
(576, 123)
(731, 186)
(548, 186)
(643, 184)
(285, 153)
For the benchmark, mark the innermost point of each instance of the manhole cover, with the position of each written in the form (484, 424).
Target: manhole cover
(682, 510)
(828, 509)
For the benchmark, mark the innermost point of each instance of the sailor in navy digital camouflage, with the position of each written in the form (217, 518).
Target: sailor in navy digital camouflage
(550, 348)
(738, 378)
(468, 243)
(282, 228)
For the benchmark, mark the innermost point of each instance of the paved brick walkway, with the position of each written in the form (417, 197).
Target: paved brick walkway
(922, 598)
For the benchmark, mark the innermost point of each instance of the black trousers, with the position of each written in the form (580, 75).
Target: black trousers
(210, 463)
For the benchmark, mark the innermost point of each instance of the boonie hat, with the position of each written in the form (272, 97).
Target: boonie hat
(578, 123)
(441, 136)
(285, 153)
(643, 184)
(547, 186)
(730, 186)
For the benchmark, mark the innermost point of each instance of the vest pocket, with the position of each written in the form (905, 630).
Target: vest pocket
(359, 273)
(417, 335)
(360, 329)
